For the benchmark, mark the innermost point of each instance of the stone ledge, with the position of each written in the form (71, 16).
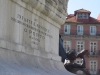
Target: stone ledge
(17, 63)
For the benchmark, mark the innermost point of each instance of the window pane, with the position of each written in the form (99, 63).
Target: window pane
(93, 47)
(94, 43)
(80, 30)
(80, 46)
(67, 29)
(85, 15)
(65, 42)
(81, 42)
(79, 15)
(67, 45)
(93, 67)
(93, 30)
(91, 43)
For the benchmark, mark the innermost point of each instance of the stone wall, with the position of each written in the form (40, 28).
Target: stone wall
(29, 34)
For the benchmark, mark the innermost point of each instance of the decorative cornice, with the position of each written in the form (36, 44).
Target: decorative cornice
(51, 8)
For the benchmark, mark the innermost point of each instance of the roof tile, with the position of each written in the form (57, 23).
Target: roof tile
(73, 19)
(82, 10)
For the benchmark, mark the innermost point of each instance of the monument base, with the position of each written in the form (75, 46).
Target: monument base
(17, 63)
(29, 37)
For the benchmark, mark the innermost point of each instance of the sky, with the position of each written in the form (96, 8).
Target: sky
(92, 5)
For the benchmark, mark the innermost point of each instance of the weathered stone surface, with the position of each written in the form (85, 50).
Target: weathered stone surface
(29, 33)
(17, 63)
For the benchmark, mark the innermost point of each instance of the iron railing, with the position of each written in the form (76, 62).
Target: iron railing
(96, 53)
(82, 33)
(88, 53)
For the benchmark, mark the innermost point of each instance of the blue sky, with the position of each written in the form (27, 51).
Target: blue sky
(91, 5)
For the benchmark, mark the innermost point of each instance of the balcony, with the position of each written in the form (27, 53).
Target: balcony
(81, 33)
(96, 72)
(92, 54)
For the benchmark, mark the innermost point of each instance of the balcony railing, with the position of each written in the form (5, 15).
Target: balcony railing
(88, 53)
(82, 33)
(97, 53)
(97, 72)
(93, 53)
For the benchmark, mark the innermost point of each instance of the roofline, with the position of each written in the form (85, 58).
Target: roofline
(81, 12)
(82, 23)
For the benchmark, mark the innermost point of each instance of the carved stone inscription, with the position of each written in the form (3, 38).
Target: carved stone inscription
(33, 29)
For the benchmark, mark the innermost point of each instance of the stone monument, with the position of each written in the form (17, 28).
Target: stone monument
(29, 37)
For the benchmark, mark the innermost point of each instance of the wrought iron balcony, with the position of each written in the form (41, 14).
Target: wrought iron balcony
(88, 53)
(97, 53)
(80, 33)
(93, 54)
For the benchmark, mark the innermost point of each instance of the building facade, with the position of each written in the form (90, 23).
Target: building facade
(81, 31)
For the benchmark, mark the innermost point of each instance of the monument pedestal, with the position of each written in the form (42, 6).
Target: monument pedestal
(29, 37)
(18, 63)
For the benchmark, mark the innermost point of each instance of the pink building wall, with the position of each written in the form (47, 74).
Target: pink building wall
(87, 44)
(87, 62)
(87, 41)
(73, 44)
(98, 28)
(86, 29)
(73, 20)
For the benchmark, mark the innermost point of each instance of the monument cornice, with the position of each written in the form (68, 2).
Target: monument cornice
(49, 8)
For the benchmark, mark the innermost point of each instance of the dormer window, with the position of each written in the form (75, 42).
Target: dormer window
(85, 16)
(82, 15)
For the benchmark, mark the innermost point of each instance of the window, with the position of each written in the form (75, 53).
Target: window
(79, 30)
(80, 46)
(82, 15)
(93, 67)
(67, 29)
(92, 30)
(67, 45)
(85, 16)
(93, 48)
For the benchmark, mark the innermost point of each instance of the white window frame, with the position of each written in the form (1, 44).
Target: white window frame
(82, 15)
(93, 51)
(79, 15)
(79, 29)
(92, 30)
(80, 44)
(67, 28)
(65, 45)
(85, 15)
(93, 64)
